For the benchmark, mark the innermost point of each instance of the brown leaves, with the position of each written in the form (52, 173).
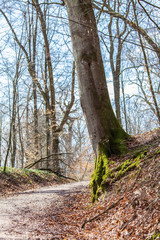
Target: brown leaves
(122, 222)
(135, 217)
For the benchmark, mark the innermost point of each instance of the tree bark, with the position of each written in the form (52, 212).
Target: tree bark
(106, 134)
(14, 131)
(115, 67)
(101, 121)
(34, 76)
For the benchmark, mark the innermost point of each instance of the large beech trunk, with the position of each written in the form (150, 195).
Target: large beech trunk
(101, 121)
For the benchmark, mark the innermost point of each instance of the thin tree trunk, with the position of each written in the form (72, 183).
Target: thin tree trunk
(20, 138)
(48, 135)
(13, 122)
(55, 135)
(27, 155)
(35, 114)
(124, 103)
(47, 110)
(8, 149)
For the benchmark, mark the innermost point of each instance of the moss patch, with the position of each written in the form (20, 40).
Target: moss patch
(117, 141)
(155, 236)
(105, 174)
(101, 170)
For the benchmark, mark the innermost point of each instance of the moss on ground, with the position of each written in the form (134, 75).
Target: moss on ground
(105, 174)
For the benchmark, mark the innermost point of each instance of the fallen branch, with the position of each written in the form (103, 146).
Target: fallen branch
(57, 173)
(46, 159)
(97, 216)
(125, 224)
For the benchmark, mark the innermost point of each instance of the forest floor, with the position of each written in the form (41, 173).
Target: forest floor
(18, 180)
(129, 210)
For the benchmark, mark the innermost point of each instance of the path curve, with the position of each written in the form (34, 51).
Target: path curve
(19, 212)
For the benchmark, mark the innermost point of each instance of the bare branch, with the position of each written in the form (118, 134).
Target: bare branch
(70, 105)
(132, 25)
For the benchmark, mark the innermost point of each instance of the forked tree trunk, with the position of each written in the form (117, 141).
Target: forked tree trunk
(101, 121)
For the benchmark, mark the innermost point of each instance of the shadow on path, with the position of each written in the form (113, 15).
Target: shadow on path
(58, 192)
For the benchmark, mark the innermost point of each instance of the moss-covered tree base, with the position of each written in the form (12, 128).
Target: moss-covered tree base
(101, 170)
(104, 175)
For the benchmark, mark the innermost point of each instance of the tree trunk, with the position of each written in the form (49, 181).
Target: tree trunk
(27, 149)
(101, 121)
(13, 122)
(124, 103)
(48, 135)
(106, 134)
(55, 135)
(20, 138)
(35, 115)
(115, 67)
(14, 131)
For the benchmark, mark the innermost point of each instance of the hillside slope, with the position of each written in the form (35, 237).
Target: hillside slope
(18, 180)
(130, 207)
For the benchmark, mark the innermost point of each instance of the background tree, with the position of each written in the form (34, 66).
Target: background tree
(147, 30)
(117, 36)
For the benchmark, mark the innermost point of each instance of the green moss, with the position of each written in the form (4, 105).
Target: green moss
(117, 141)
(155, 236)
(112, 163)
(9, 170)
(101, 170)
(158, 151)
(119, 172)
(104, 176)
(139, 153)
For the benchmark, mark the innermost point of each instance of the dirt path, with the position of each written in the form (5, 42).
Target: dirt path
(21, 215)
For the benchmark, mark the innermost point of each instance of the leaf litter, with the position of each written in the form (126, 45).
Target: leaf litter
(136, 216)
(129, 210)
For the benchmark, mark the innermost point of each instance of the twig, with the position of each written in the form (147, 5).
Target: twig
(97, 216)
(125, 224)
